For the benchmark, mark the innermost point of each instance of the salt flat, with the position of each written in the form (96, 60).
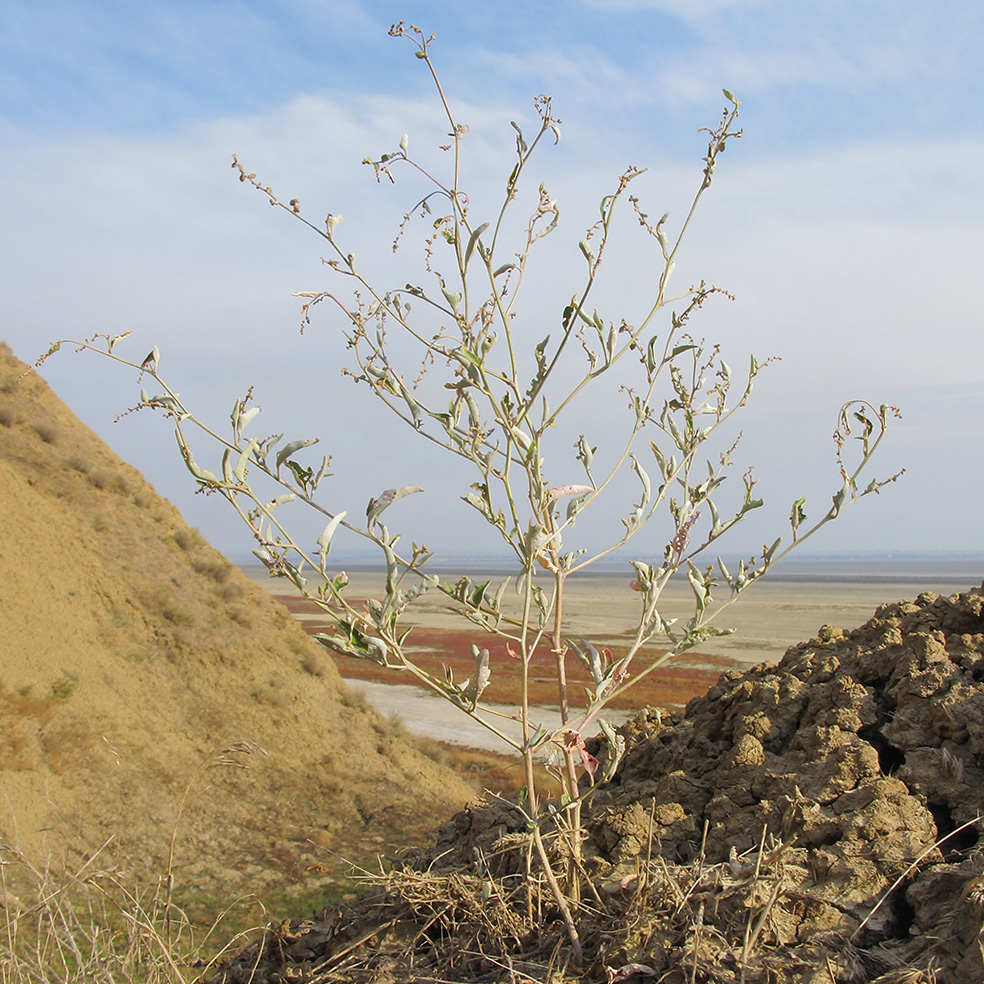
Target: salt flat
(767, 618)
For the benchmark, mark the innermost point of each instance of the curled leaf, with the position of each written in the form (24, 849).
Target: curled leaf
(472, 690)
(386, 499)
(472, 240)
(202, 474)
(324, 541)
(288, 449)
(279, 501)
(116, 339)
(563, 491)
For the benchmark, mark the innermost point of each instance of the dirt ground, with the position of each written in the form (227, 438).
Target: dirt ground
(812, 822)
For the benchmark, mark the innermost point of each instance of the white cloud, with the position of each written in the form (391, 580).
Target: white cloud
(858, 265)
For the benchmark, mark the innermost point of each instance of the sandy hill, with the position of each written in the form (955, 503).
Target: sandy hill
(134, 658)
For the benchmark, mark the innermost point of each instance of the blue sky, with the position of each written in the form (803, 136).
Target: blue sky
(848, 221)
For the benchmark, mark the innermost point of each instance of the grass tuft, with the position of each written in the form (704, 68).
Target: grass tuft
(107, 480)
(46, 432)
(92, 924)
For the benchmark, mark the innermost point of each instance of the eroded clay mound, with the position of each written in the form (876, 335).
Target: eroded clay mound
(852, 758)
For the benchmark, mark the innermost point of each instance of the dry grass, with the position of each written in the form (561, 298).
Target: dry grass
(90, 923)
(673, 923)
(472, 925)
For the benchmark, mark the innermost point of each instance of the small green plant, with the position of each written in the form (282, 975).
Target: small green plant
(453, 360)
(64, 686)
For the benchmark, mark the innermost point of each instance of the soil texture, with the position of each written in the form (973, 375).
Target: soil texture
(816, 821)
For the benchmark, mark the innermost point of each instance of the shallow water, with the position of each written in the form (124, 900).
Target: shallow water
(433, 716)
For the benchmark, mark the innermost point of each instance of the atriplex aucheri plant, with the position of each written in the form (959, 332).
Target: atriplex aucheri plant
(477, 389)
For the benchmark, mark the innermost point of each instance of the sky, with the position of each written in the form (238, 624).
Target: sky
(847, 222)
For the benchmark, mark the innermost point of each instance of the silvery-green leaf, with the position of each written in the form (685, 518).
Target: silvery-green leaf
(665, 277)
(521, 584)
(701, 593)
(500, 591)
(472, 240)
(724, 570)
(574, 507)
(797, 514)
(288, 449)
(644, 478)
(239, 470)
(279, 501)
(246, 416)
(477, 502)
(661, 236)
(295, 575)
(322, 472)
(386, 499)
(169, 403)
(202, 474)
(716, 527)
(671, 425)
(538, 738)
(116, 339)
(520, 142)
(472, 690)
(324, 541)
(519, 436)
(591, 658)
(616, 749)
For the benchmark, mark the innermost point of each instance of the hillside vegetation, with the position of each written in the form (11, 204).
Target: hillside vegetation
(138, 667)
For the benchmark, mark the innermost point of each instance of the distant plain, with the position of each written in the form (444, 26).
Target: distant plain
(782, 610)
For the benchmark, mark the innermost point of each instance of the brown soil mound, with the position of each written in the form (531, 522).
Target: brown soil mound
(816, 821)
(137, 666)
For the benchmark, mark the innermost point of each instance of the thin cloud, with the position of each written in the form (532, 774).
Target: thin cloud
(850, 243)
(691, 10)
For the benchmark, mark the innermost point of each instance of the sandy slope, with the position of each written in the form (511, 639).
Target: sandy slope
(132, 655)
